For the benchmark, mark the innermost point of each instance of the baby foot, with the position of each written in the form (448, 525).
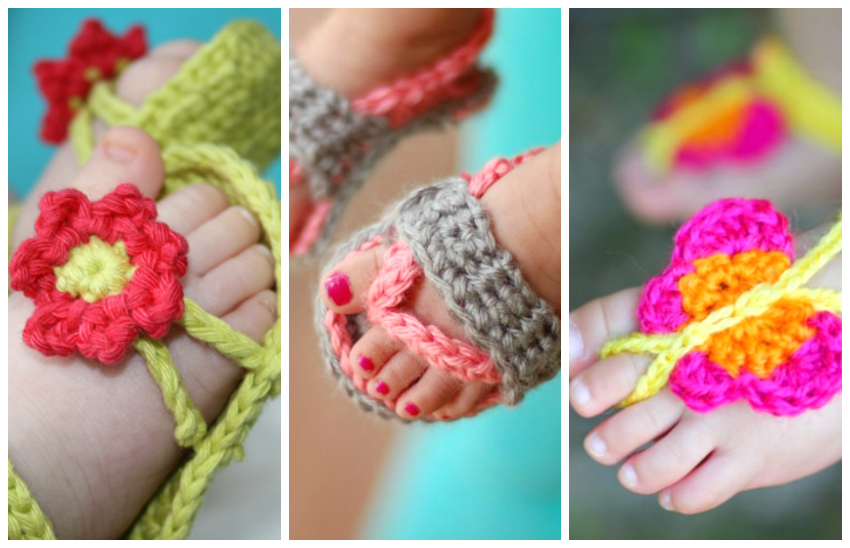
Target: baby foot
(800, 171)
(94, 442)
(380, 46)
(695, 461)
(524, 207)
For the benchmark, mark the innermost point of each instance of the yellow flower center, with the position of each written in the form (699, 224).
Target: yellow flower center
(95, 270)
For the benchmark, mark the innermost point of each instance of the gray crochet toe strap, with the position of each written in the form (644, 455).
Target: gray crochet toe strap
(335, 147)
(446, 232)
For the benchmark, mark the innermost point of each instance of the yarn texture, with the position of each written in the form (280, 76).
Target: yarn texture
(441, 234)
(217, 122)
(334, 142)
(84, 250)
(728, 319)
(741, 114)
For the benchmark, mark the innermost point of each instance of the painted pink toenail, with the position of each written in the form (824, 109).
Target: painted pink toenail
(445, 417)
(411, 409)
(338, 287)
(382, 388)
(365, 363)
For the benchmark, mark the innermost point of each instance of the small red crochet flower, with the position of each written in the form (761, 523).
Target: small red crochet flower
(99, 274)
(95, 54)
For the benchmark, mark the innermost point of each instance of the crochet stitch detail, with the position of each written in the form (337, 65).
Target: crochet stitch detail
(729, 318)
(334, 142)
(441, 234)
(94, 54)
(110, 313)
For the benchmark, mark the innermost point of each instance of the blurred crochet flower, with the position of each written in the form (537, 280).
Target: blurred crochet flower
(722, 118)
(95, 54)
(99, 274)
(783, 361)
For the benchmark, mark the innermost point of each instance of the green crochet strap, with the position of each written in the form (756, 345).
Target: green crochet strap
(26, 520)
(228, 93)
(190, 426)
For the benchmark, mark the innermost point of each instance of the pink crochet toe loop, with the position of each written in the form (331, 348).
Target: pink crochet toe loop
(783, 361)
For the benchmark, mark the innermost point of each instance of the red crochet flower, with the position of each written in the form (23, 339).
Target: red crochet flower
(95, 54)
(99, 274)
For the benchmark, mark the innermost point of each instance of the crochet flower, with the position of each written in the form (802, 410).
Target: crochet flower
(99, 273)
(95, 54)
(784, 361)
(724, 118)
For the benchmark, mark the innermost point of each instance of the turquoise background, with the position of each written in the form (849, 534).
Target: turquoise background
(36, 34)
(497, 476)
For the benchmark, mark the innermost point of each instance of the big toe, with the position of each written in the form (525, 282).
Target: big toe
(345, 287)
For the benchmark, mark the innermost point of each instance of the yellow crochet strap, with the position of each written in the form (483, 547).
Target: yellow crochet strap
(811, 108)
(190, 424)
(228, 93)
(669, 348)
(26, 520)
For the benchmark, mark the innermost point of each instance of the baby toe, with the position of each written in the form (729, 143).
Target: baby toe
(669, 460)
(607, 383)
(432, 391)
(346, 286)
(221, 238)
(372, 351)
(722, 476)
(632, 427)
(233, 281)
(467, 400)
(190, 207)
(402, 370)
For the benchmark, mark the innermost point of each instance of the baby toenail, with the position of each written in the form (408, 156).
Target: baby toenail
(666, 501)
(411, 409)
(120, 153)
(248, 215)
(338, 287)
(576, 342)
(628, 476)
(265, 252)
(365, 363)
(581, 396)
(595, 446)
(382, 388)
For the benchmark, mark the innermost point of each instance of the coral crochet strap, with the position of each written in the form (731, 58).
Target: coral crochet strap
(729, 318)
(441, 234)
(334, 142)
(227, 93)
(742, 114)
(105, 276)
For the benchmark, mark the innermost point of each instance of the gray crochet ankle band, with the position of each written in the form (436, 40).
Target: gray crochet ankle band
(334, 142)
(442, 233)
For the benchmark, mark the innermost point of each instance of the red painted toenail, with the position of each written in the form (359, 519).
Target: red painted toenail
(365, 363)
(411, 409)
(339, 289)
(382, 388)
(446, 417)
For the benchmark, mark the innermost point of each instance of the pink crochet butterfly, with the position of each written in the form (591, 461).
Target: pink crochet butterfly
(782, 362)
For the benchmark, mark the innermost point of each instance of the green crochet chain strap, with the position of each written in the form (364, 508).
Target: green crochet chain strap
(237, 137)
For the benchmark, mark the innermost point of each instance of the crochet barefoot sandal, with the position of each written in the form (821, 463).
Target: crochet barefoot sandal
(729, 318)
(105, 276)
(441, 234)
(742, 114)
(334, 142)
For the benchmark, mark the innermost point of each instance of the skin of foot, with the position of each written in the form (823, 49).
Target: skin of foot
(800, 173)
(525, 211)
(694, 461)
(94, 442)
(356, 50)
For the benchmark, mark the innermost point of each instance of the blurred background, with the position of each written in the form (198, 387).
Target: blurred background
(496, 476)
(244, 500)
(622, 62)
